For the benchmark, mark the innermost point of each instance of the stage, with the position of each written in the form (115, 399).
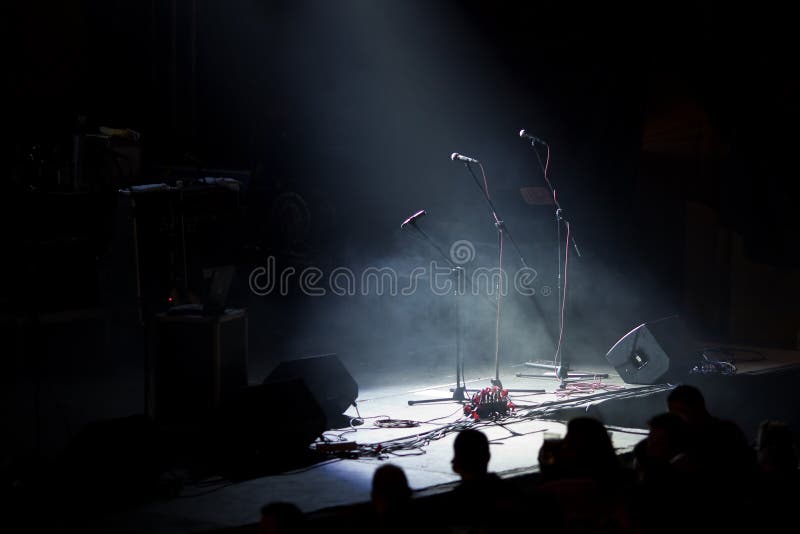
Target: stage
(199, 193)
(419, 438)
(339, 481)
(515, 441)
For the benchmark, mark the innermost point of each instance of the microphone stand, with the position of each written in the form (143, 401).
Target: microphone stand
(459, 392)
(502, 230)
(559, 365)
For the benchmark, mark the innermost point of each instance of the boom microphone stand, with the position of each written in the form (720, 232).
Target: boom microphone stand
(559, 365)
(459, 393)
(502, 230)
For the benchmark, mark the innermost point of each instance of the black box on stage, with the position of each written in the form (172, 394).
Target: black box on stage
(198, 361)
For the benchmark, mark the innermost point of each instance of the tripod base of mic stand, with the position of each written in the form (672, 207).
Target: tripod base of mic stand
(459, 395)
(519, 390)
(562, 372)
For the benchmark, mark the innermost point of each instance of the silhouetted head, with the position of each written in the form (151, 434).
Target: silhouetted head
(279, 518)
(390, 489)
(587, 450)
(669, 437)
(471, 454)
(775, 447)
(688, 402)
(640, 464)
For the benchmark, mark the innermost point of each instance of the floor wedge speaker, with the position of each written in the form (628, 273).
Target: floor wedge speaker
(655, 352)
(267, 427)
(326, 378)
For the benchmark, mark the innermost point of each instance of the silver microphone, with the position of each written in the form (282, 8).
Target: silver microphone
(456, 156)
(413, 218)
(525, 135)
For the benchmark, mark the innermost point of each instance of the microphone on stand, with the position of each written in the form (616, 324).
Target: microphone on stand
(413, 219)
(456, 156)
(525, 135)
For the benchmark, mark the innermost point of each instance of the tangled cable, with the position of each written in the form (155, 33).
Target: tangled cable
(416, 443)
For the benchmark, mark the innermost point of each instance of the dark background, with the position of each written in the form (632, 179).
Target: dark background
(672, 127)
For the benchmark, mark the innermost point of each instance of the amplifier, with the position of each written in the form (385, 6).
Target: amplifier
(198, 361)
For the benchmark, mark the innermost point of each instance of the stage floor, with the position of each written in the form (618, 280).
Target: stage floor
(764, 387)
(515, 443)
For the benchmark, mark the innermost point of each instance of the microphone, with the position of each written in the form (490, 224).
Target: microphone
(456, 156)
(525, 135)
(413, 218)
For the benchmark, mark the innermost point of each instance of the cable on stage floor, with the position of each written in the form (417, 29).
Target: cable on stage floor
(416, 443)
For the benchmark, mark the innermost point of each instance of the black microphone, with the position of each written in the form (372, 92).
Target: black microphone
(413, 218)
(456, 156)
(525, 135)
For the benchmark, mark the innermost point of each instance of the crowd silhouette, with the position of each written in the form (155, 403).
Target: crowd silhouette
(692, 472)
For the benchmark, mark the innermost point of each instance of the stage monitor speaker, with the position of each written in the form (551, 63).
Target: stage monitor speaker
(332, 386)
(655, 352)
(267, 426)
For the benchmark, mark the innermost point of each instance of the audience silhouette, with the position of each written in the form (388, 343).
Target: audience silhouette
(471, 455)
(693, 472)
(775, 449)
(587, 491)
(719, 448)
(482, 502)
(391, 498)
(667, 446)
(281, 518)
(778, 478)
